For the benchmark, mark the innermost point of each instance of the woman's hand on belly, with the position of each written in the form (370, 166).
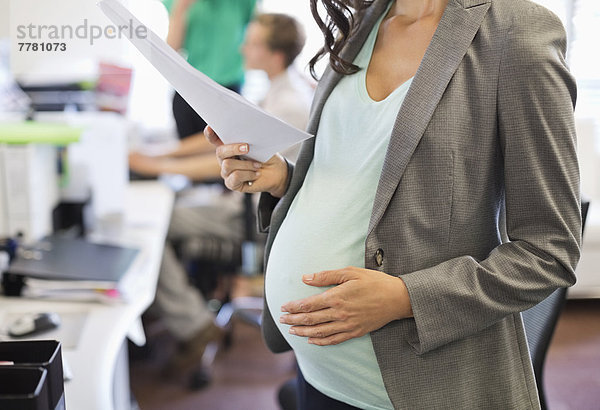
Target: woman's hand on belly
(362, 300)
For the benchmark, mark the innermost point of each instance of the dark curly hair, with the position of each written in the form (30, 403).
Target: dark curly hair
(337, 27)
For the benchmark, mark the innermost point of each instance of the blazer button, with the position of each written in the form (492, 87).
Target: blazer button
(379, 257)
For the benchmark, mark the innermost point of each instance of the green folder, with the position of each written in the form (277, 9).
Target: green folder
(38, 132)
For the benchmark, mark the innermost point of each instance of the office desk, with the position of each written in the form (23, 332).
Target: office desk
(588, 278)
(99, 361)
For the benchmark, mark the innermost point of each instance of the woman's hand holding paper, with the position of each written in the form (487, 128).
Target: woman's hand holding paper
(249, 175)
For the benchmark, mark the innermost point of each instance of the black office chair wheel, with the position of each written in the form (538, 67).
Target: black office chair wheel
(287, 395)
(199, 379)
(228, 339)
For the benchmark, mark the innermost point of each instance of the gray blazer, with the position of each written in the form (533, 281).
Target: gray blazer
(484, 144)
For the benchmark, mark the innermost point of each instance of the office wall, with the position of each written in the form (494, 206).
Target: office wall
(32, 21)
(300, 9)
(150, 94)
(3, 18)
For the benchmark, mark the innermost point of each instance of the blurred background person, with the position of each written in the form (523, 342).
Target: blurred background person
(272, 43)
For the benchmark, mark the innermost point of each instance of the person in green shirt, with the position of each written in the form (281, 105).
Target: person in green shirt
(210, 33)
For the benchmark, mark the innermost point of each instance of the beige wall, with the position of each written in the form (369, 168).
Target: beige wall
(3, 18)
(79, 61)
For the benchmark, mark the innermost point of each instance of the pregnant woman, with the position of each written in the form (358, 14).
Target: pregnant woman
(438, 200)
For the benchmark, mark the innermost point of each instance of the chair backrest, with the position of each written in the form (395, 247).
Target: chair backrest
(540, 322)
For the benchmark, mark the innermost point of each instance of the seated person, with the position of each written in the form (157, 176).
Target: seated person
(272, 43)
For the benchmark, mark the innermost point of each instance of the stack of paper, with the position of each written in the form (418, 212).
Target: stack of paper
(72, 268)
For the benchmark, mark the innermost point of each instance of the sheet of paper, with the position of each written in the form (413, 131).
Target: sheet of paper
(232, 117)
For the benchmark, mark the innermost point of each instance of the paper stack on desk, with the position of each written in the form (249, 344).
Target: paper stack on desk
(232, 117)
(73, 269)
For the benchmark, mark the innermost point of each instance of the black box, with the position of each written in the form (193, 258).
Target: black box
(23, 388)
(39, 353)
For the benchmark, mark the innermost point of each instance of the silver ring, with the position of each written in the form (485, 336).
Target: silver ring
(249, 183)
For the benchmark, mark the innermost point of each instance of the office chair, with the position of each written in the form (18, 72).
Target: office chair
(208, 259)
(212, 262)
(540, 322)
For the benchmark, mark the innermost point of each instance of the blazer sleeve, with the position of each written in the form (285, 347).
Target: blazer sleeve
(267, 203)
(535, 103)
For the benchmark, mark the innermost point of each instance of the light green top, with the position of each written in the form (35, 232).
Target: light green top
(38, 132)
(214, 34)
(326, 228)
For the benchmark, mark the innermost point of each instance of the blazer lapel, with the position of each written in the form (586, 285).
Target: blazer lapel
(455, 32)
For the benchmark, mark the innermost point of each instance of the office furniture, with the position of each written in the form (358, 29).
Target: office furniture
(29, 189)
(23, 388)
(57, 97)
(286, 395)
(540, 321)
(588, 277)
(209, 258)
(588, 151)
(211, 263)
(96, 164)
(98, 363)
(36, 354)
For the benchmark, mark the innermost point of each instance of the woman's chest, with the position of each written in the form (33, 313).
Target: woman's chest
(397, 54)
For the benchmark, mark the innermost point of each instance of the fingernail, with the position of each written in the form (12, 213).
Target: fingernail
(243, 148)
(257, 165)
(284, 309)
(292, 331)
(257, 174)
(308, 278)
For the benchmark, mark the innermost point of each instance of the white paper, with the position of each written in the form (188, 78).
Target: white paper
(232, 117)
